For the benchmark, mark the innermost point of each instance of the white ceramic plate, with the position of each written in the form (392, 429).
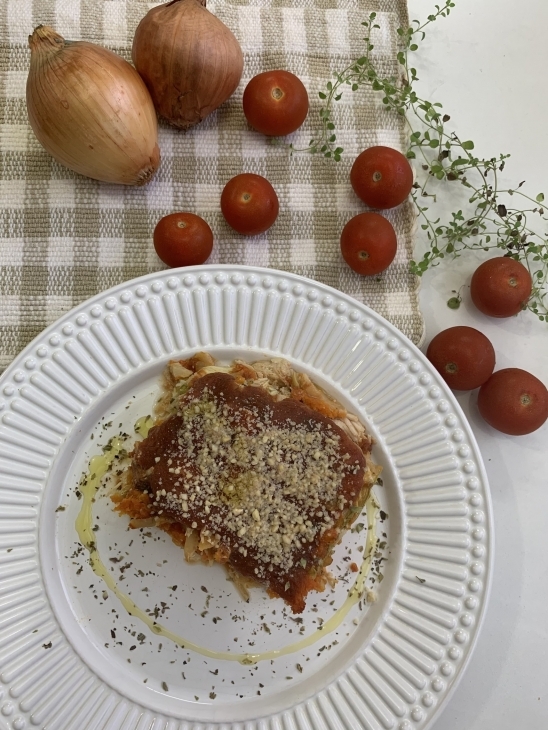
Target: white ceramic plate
(71, 657)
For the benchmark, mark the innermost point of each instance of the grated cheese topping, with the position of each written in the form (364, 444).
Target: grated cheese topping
(248, 481)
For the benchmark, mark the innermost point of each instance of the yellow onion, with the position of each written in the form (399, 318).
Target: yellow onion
(190, 61)
(91, 110)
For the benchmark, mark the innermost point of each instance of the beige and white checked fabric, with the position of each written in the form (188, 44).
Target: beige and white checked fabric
(64, 237)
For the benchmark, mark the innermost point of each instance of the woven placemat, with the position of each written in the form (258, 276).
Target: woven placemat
(64, 237)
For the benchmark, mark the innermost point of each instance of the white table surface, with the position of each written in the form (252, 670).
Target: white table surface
(487, 65)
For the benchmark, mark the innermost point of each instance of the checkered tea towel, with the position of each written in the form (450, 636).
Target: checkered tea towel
(64, 237)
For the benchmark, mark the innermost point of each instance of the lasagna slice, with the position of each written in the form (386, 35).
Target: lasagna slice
(254, 467)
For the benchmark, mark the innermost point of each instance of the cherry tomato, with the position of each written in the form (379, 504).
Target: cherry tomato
(368, 243)
(249, 203)
(500, 287)
(463, 356)
(183, 239)
(275, 103)
(381, 177)
(513, 401)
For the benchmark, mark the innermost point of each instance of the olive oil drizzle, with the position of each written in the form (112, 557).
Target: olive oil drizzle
(143, 425)
(99, 466)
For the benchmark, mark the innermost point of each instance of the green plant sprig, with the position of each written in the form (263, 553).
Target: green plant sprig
(489, 220)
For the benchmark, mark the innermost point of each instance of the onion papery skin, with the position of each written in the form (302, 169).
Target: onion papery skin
(190, 61)
(91, 110)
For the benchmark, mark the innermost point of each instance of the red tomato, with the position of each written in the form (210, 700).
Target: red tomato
(183, 239)
(463, 356)
(249, 203)
(500, 287)
(381, 177)
(275, 103)
(513, 401)
(368, 243)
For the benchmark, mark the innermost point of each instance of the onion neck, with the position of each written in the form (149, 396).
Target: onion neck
(174, 2)
(46, 40)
